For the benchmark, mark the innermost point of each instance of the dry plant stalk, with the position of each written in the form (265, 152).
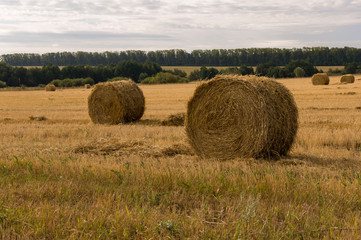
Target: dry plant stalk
(241, 116)
(348, 78)
(320, 79)
(50, 88)
(116, 102)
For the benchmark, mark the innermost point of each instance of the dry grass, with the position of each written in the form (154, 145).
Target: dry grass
(141, 181)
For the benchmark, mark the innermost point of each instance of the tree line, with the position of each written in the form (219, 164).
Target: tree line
(35, 76)
(318, 56)
(147, 73)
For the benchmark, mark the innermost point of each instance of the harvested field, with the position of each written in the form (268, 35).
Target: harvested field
(67, 178)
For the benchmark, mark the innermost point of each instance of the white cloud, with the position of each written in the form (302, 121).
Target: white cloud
(187, 24)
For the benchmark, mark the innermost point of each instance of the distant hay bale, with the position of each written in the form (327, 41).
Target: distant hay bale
(348, 78)
(241, 116)
(116, 102)
(87, 86)
(38, 118)
(174, 120)
(50, 87)
(320, 79)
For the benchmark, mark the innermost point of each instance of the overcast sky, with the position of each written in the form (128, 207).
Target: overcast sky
(40, 26)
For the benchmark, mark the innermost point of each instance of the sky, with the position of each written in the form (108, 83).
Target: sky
(40, 26)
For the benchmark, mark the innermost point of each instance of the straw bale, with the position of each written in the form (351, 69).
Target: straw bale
(87, 85)
(174, 120)
(320, 79)
(50, 87)
(116, 102)
(348, 78)
(282, 115)
(241, 116)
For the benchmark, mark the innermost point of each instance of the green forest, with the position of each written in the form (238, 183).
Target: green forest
(318, 56)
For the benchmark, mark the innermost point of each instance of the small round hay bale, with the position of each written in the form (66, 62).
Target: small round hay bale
(87, 86)
(239, 116)
(116, 102)
(50, 87)
(320, 79)
(348, 78)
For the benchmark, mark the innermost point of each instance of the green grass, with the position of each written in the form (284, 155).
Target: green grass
(159, 198)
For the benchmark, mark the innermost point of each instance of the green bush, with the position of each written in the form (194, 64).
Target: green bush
(353, 68)
(72, 82)
(305, 65)
(299, 72)
(164, 77)
(208, 73)
(242, 70)
(2, 84)
(117, 79)
(194, 75)
(177, 71)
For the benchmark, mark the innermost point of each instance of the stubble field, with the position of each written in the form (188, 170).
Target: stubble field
(66, 178)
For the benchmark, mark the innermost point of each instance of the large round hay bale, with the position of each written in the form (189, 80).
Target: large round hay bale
(282, 114)
(320, 79)
(50, 87)
(87, 85)
(348, 78)
(116, 102)
(239, 116)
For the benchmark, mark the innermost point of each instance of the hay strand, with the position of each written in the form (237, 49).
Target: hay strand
(320, 79)
(174, 120)
(241, 116)
(116, 102)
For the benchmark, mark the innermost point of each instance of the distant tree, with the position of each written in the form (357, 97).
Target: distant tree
(5, 74)
(130, 69)
(305, 65)
(264, 68)
(194, 75)
(164, 77)
(351, 68)
(35, 77)
(244, 70)
(208, 73)
(2, 84)
(50, 72)
(19, 75)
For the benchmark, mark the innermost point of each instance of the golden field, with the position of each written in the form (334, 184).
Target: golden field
(66, 178)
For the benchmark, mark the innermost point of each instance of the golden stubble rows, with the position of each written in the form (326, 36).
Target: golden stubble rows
(329, 118)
